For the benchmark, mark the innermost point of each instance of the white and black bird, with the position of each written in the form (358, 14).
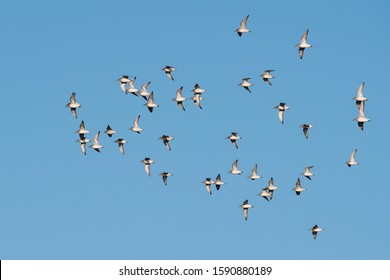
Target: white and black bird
(305, 128)
(359, 97)
(298, 188)
(197, 99)
(271, 188)
(208, 182)
(352, 161)
(303, 44)
(165, 176)
(123, 82)
(109, 131)
(361, 119)
(135, 126)
(314, 230)
(246, 84)
(233, 137)
(281, 108)
(73, 105)
(242, 29)
(166, 139)
(144, 90)
(235, 170)
(82, 131)
(265, 194)
(147, 162)
(197, 89)
(267, 75)
(307, 173)
(83, 141)
(254, 175)
(120, 143)
(168, 71)
(131, 88)
(218, 182)
(96, 146)
(245, 206)
(150, 104)
(179, 99)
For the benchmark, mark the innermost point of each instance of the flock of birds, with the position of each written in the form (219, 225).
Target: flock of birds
(127, 86)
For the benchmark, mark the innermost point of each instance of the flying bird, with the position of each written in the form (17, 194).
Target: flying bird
(361, 119)
(123, 82)
(150, 104)
(271, 188)
(351, 161)
(82, 130)
(135, 126)
(73, 105)
(303, 44)
(245, 206)
(267, 75)
(298, 188)
(144, 90)
(254, 174)
(197, 89)
(314, 230)
(147, 162)
(246, 84)
(305, 128)
(166, 139)
(359, 97)
(218, 182)
(197, 98)
(109, 131)
(131, 88)
(307, 173)
(208, 182)
(165, 176)
(234, 169)
(179, 98)
(233, 137)
(281, 108)
(96, 146)
(168, 71)
(120, 143)
(83, 141)
(242, 28)
(265, 194)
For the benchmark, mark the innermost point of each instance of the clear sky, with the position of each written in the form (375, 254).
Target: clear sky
(56, 203)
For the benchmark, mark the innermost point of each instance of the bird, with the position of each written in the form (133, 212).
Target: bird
(150, 104)
(179, 98)
(314, 230)
(245, 206)
(123, 82)
(147, 162)
(120, 143)
(267, 75)
(245, 84)
(271, 187)
(83, 141)
(233, 138)
(265, 194)
(144, 90)
(242, 28)
(361, 119)
(254, 174)
(197, 89)
(298, 188)
(359, 97)
(218, 182)
(307, 173)
(166, 139)
(109, 131)
(96, 146)
(234, 169)
(131, 88)
(281, 108)
(305, 128)
(197, 98)
(168, 71)
(73, 105)
(82, 130)
(135, 126)
(208, 182)
(351, 161)
(303, 44)
(165, 176)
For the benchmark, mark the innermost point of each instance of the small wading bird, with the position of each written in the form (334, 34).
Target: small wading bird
(83, 141)
(246, 84)
(147, 162)
(120, 143)
(179, 98)
(361, 119)
(135, 126)
(271, 187)
(218, 182)
(351, 161)
(281, 108)
(254, 175)
(150, 104)
(314, 230)
(305, 128)
(234, 169)
(197, 89)
(303, 44)
(123, 82)
(298, 188)
(208, 182)
(96, 146)
(109, 131)
(265, 194)
(144, 90)
(307, 173)
(233, 137)
(166, 139)
(73, 105)
(168, 71)
(359, 97)
(165, 176)
(245, 206)
(267, 75)
(82, 130)
(242, 28)
(197, 98)
(131, 88)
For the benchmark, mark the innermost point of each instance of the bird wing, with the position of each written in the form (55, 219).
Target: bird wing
(304, 36)
(96, 138)
(280, 115)
(360, 90)
(243, 22)
(73, 97)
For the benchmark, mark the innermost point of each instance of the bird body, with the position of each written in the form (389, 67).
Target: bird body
(218, 182)
(150, 104)
(254, 175)
(351, 161)
(245, 206)
(165, 176)
(120, 143)
(109, 131)
(303, 44)
(298, 188)
(246, 84)
(242, 28)
(166, 139)
(305, 128)
(281, 108)
(96, 146)
(179, 98)
(208, 182)
(234, 169)
(267, 75)
(135, 126)
(314, 230)
(233, 137)
(307, 173)
(168, 71)
(73, 105)
(147, 162)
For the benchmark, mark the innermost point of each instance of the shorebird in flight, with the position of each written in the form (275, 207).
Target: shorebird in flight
(168, 71)
(271, 187)
(179, 98)
(234, 169)
(314, 230)
(305, 128)
(123, 82)
(303, 44)
(242, 28)
(254, 174)
(218, 182)
(197, 89)
(73, 105)
(245, 206)
(120, 143)
(166, 139)
(197, 98)
(82, 130)
(351, 161)
(96, 146)
(361, 119)
(298, 188)
(281, 108)
(208, 182)
(147, 162)
(144, 91)
(267, 75)
(135, 126)
(359, 97)
(165, 176)
(233, 137)
(109, 131)
(131, 88)
(150, 104)
(307, 173)
(246, 84)
(265, 194)
(83, 141)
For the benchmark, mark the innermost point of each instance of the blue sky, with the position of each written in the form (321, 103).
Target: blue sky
(56, 203)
